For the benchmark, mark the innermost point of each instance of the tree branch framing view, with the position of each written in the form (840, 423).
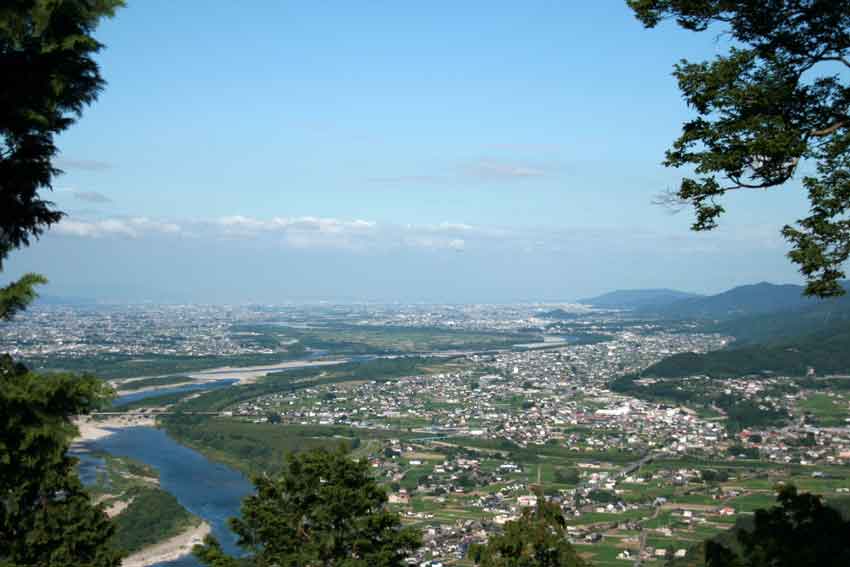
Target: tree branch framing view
(640, 426)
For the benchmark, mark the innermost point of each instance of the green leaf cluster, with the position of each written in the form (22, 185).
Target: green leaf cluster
(537, 539)
(324, 510)
(800, 530)
(46, 517)
(15, 297)
(49, 76)
(777, 99)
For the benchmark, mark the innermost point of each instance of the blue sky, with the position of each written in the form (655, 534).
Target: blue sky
(416, 151)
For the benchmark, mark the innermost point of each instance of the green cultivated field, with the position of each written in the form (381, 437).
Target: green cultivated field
(828, 410)
(690, 510)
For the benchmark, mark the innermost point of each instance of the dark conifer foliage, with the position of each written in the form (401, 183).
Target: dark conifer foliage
(46, 518)
(47, 77)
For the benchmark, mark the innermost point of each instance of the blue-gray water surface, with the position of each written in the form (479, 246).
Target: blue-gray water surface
(199, 386)
(209, 490)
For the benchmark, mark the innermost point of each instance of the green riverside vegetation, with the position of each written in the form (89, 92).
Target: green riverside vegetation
(153, 382)
(152, 516)
(148, 514)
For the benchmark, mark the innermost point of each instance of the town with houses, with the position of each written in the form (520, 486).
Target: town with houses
(483, 433)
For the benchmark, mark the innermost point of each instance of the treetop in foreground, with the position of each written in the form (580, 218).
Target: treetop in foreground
(49, 76)
(778, 99)
(46, 517)
(538, 538)
(324, 510)
(801, 531)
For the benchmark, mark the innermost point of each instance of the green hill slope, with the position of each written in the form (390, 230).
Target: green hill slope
(786, 325)
(827, 351)
(740, 301)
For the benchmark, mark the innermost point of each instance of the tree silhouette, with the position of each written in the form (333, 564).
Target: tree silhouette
(323, 510)
(801, 531)
(46, 517)
(777, 99)
(48, 77)
(536, 539)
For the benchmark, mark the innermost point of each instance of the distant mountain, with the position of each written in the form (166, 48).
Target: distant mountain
(777, 330)
(638, 298)
(746, 300)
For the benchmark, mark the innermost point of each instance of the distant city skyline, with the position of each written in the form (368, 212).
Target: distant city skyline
(458, 152)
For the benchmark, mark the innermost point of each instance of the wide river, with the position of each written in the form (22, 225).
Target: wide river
(199, 386)
(209, 490)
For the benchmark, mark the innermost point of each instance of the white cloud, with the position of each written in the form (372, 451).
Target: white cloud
(92, 197)
(299, 232)
(359, 235)
(240, 222)
(132, 227)
(453, 227)
(296, 229)
(498, 170)
(88, 196)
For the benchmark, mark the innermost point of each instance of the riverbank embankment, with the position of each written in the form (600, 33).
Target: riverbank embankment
(170, 549)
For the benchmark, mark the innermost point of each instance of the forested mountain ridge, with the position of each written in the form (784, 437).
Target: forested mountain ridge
(638, 298)
(827, 351)
(777, 330)
(746, 300)
(750, 300)
(784, 325)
